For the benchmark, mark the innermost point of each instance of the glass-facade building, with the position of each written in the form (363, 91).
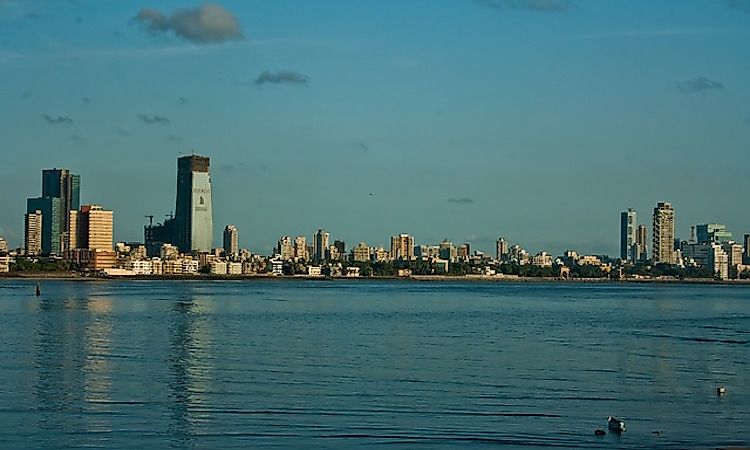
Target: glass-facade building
(193, 212)
(628, 228)
(51, 225)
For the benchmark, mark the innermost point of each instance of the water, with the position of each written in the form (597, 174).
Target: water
(362, 364)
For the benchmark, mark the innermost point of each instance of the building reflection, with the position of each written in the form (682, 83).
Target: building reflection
(72, 344)
(190, 367)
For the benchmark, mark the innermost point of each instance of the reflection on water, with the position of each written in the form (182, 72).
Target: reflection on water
(189, 363)
(72, 342)
(339, 365)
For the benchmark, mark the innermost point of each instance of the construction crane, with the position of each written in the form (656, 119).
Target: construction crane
(150, 219)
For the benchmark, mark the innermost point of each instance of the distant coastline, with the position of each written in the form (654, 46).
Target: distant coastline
(71, 276)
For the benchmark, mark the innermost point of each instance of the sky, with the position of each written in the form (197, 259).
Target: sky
(536, 120)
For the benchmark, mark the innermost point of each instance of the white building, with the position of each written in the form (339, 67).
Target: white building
(189, 267)
(542, 259)
(4, 264)
(141, 267)
(218, 268)
(234, 268)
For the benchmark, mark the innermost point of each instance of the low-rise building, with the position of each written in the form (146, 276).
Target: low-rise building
(4, 264)
(542, 259)
(189, 267)
(169, 251)
(234, 268)
(218, 268)
(314, 271)
(585, 260)
(380, 254)
(277, 267)
(141, 267)
(157, 266)
(352, 272)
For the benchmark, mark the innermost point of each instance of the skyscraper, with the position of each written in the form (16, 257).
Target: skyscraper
(32, 236)
(193, 213)
(502, 249)
(320, 245)
(285, 248)
(746, 257)
(712, 232)
(62, 184)
(300, 248)
(51, 227)
(641, 240)
(231, 241)
(663, 233)
(627, 235)
(402, 247)
(95, 228)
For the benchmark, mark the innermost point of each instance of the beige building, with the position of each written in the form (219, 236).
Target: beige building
(72, 235)
(402, 247)
(95, 228)
(663, 234)
(542, 259)
(285, 248)
(380, 254)
(32, 240)
(300, 249)
(4, 264)
(734, 258)
(361, 252)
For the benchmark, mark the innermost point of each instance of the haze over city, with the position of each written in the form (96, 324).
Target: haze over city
(537, 120)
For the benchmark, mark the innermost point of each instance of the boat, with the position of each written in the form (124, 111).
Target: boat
(721, 390)
(615, 424)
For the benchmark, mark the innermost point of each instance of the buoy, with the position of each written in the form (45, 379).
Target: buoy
(38, 290)
(600, 432)
(720, 390)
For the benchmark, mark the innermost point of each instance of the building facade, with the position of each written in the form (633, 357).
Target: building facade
(95, 228)
(285, 248)
(628, 239)
(361, 252)
(712, 232)
(51, 226)
(231, 241)
(402, 247)
(32, 233)
(502, 249)
(60, 183)
(320, 245)
(193, 211)
(300, 249)
(663, 234)
(641, 242)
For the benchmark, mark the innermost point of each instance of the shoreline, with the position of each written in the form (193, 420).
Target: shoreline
(70, 276)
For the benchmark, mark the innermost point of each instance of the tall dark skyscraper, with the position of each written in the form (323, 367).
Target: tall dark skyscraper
(193, 213)
(60, 194)
(628, 235)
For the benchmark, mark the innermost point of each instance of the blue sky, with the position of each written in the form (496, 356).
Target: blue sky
(537, 120)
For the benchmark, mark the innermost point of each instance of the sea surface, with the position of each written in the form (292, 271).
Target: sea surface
(377, 365)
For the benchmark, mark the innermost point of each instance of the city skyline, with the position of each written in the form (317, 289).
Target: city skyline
(464, 120)
(194, 193)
